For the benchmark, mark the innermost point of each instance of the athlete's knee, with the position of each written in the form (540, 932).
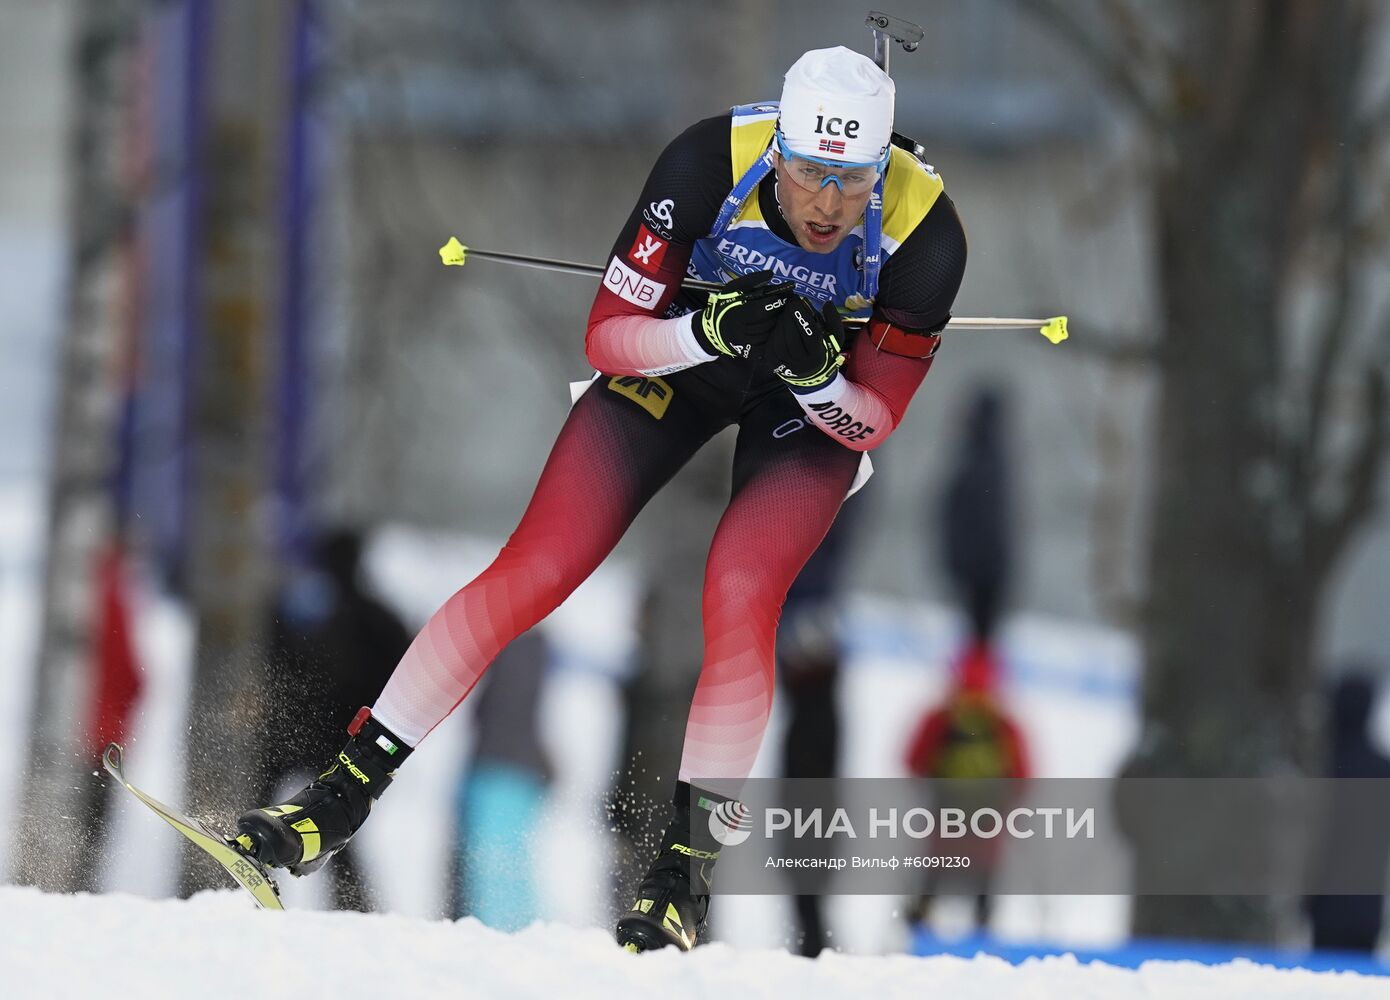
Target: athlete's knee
(553, 576)
(536, 576)
(744, 585)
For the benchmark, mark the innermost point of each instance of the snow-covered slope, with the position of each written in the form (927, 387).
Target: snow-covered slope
(217, 946)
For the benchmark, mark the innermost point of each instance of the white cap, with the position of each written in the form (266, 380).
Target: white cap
(837, 104)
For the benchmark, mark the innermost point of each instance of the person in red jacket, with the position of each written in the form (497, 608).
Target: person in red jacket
(839, 257)
(968, 737)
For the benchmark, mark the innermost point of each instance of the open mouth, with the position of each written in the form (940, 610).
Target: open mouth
(821, 232)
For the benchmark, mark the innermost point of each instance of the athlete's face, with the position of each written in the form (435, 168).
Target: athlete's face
(820, 219)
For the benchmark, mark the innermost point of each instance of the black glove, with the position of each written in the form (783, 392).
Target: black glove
(807, 346)
(739, 317)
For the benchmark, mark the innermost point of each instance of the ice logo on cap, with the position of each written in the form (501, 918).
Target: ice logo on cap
(730, 823)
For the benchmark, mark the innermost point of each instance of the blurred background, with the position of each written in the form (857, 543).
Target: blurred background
(254, 434)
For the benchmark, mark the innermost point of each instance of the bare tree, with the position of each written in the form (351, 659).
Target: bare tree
(1270, 432)
(229, 560)
(59, 788)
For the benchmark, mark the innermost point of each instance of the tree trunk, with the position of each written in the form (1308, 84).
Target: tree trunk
(247, 53)
(60, 792)
(1228, 628)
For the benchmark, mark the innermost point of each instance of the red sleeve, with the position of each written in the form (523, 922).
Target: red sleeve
(632, 327)
(641, 280)
(864, 404)
(626, 334)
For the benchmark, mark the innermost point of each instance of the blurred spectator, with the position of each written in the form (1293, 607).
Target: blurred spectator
(808, 667)
(332, 647)
(655, 693)
(502, 791)
(117, 672)
(968, 738)
(1352, 923)
(117, 681)
(975, 515)
(970, 735)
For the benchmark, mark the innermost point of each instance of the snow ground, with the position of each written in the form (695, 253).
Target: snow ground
(218, 946)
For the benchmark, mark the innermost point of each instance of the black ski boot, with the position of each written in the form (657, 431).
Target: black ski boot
(673, 900)
(316, 823)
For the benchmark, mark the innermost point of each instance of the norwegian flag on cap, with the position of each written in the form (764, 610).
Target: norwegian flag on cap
(832, 146)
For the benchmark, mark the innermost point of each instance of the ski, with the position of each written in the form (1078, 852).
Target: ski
(249, 873)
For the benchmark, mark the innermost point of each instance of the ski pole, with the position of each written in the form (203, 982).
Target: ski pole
(455, 254)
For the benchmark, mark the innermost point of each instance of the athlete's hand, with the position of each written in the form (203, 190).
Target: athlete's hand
(738, 318)
(806, 346)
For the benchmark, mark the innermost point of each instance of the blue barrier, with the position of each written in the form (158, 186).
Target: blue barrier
(1137, 951)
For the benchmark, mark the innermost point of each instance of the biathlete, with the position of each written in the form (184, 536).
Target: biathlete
(810, 213)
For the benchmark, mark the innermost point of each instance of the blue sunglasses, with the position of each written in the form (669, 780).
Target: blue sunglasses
(813, 173)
